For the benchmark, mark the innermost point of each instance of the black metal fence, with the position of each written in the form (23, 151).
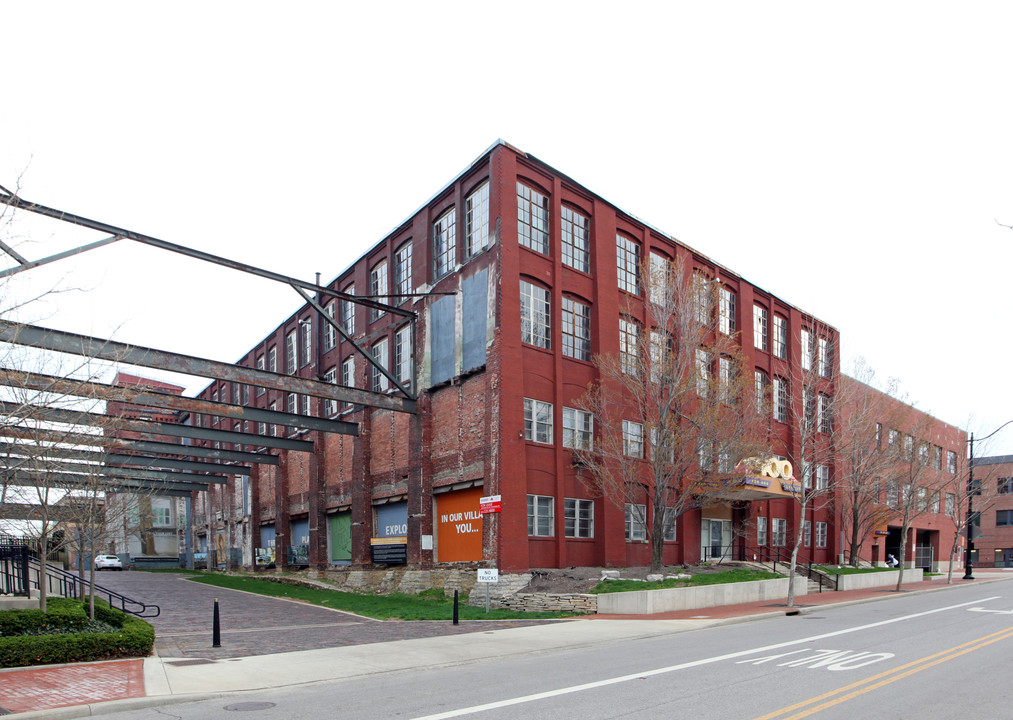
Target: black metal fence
(14, 558)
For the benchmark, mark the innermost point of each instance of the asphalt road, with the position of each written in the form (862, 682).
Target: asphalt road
(926, 656)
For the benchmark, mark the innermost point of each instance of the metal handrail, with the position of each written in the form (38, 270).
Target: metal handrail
(803, 565)
(71, 586)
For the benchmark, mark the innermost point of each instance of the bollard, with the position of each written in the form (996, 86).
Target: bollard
(455, 608)
(216, 629)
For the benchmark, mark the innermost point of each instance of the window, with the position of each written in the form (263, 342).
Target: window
(893, 438)
(578, 429)
(540, 516)
(670, 525)
(576, 329)
(304, 404)
(892, 494)
(575, 234)
(661, 364)
(726, 373)
(633, 439)
(330, 334)
(274, 428)
(778, 532)
(951, 461)
(306, 338)
(726, 311)
(636, 522)
(825, 417)
(663, 443)
(476, 220)
(1003, 518)
(823, 358)
(937, 457)
(378, 288)
(403, 355)
(703, 372)
(879, 436)
(1005, 485)
(578, 518)
(822, 477)
(821, 534)
(403, 272)
(780, 400)
(806, 343)
(760, 382)
(380, 353)
(532, 219)
(705, 454)
(291, 353)
(807, 530)
(629, 346)
(535, 315)
(330, 406)
(660, 280)
(951, 504)
(161, 516)
(628, 264)
(760, 328)
(702, 298)
(923, 453)
(348, 371)
(291, 403)
(537, 421)
(761, 531)
(260, 366)
(348, 311)
(780, 337)
(445, 242)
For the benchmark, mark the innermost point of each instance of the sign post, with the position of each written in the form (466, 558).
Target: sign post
(487, 576)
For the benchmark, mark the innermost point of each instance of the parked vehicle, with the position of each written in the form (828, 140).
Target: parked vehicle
(108, 562)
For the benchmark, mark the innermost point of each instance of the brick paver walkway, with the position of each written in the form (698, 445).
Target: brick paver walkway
(23, 690)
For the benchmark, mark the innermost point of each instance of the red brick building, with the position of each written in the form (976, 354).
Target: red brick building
(519, 276)
(918, 466)
(993, 544)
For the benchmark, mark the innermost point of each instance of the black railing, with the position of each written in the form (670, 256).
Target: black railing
(61, 582)
(14, 577)
(775, 555)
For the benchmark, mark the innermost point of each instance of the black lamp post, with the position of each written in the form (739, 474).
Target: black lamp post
(968, 565)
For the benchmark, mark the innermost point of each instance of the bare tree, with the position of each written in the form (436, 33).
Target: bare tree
(863, 459)
(674, 414)
(814, 416)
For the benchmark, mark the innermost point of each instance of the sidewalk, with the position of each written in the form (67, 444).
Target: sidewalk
(70, 691)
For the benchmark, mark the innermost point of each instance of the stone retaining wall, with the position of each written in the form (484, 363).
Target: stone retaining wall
(546, 602)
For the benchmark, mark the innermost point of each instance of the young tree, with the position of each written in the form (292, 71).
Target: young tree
(673, 414)
(814, 416)
(863, 460)
(966, 499)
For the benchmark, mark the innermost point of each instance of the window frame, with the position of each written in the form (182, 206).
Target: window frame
(628, 264)
(379, 285)
(578, 429)
(635, 528)
(538, 518)
(445, 243)
(575, 328)
(575, 239)
(476, 220)
(578, 518)
(536, 315)
(538, 421)
(532, 219)
(760, 334)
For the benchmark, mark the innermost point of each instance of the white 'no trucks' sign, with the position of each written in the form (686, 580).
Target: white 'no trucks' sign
(487, 575)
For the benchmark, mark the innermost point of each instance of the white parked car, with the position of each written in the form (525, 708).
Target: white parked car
(108, 562)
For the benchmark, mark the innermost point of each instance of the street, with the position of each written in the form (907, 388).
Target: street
(926, 655)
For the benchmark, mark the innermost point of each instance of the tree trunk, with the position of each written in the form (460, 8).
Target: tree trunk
(43, 570)
(903, 555)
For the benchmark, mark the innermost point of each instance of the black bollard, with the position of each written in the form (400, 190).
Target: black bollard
(455, 608)
(216, 629)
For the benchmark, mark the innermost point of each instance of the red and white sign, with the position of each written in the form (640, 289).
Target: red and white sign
(489, 504)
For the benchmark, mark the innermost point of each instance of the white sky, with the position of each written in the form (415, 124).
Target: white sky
(848, 157)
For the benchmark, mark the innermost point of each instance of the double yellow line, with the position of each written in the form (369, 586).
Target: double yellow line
(836, 697)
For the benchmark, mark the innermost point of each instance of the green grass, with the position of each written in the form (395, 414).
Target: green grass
(848, 570)
(427, 605)
(727, 576)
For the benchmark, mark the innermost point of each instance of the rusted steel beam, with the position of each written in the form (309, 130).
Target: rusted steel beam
(153, 399)
(75, 480)
(24, 511)
(138, 461)
(112, 351)
(74, 417)
(46, 464)
(29, 264)
(12, 200)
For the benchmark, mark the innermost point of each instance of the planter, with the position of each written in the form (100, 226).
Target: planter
(648, 602)
(862, 581)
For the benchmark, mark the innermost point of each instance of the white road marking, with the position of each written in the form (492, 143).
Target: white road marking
(997, 612)
(683, 666)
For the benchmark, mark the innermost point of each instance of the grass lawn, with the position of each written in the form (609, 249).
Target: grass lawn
(848, 570)
(718, 578)
(427, 605)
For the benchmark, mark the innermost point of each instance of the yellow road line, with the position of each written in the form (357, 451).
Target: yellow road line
(885, 678)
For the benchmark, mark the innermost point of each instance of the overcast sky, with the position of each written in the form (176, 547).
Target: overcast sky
(851, 158)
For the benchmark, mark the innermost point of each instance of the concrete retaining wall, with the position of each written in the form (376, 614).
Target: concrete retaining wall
(647, 602)
(884, 578)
